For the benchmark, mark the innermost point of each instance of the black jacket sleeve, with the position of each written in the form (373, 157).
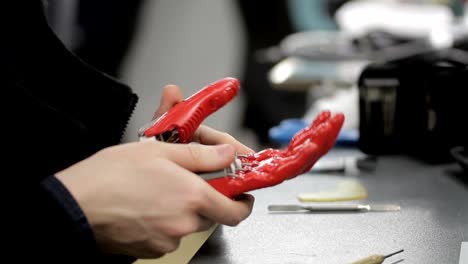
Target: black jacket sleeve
(58, 231)
(57, 111)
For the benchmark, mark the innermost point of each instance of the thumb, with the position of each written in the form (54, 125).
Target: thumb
(170, 97)
(197, 157)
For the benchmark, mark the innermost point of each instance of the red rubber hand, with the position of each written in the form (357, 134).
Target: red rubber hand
(273, 166)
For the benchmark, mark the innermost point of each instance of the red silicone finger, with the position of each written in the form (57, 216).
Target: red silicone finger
(226, 186)
(321, 117)
(298, 161)
(234, 186)
(336, 123)
(310, 131)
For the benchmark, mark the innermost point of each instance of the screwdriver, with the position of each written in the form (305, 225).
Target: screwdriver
(375, 259)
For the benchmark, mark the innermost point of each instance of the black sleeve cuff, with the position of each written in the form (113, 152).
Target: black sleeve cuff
(68, 227)
(73, 211)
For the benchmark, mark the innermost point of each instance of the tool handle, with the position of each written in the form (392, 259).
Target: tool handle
(338, 207)
(320, 208)
(373, 259)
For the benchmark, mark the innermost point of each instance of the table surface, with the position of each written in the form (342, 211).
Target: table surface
(430, 227)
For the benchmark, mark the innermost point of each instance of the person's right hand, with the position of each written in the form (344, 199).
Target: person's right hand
(142, 198)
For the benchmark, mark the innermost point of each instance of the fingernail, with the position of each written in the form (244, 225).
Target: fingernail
(225, 150)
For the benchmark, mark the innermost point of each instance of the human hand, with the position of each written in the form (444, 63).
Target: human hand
(142, 198)
(273, 166)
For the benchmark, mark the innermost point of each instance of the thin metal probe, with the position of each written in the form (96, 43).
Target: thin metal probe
(375, 259)
(394, 253)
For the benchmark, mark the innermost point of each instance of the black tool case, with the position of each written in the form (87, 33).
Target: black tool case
(417, 106)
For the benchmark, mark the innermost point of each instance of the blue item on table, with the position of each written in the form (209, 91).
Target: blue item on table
(284, 132)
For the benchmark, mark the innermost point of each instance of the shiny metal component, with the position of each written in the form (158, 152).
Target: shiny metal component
(231, 171)
(383, 92)
(171, 136)
(334, 208)
(236, 165)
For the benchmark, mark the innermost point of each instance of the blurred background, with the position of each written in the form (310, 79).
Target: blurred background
(397, 69)
(294, 58)
(149, 44)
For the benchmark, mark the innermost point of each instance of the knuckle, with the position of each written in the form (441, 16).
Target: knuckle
(151, 248)
(182, 229)
(195, 196)
(152, 252)
(175, 231)
(226, 137)
(169, 245)
(193, 203)
(234, 220)
(195, 151)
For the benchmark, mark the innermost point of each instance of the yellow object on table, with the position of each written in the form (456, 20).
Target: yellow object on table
(346, 190)
(187, 249)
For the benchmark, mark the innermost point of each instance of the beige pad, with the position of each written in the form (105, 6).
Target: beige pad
(345, 190)
(187, 249)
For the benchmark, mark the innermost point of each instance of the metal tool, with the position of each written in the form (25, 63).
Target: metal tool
(235, 166)
(375, 259)
(334, 208)
(232, 170)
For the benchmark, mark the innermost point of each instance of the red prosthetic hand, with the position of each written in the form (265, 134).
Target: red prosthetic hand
(273, 166)
(254, 171)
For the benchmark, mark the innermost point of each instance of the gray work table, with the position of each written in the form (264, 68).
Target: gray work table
(432, 222)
